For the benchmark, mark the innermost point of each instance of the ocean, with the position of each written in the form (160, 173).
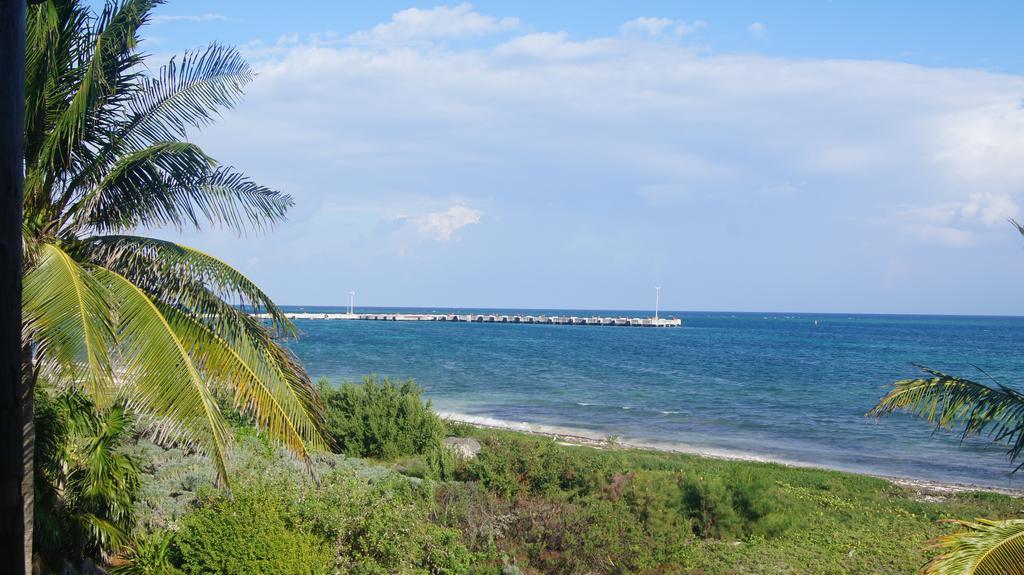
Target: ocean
(782, 386)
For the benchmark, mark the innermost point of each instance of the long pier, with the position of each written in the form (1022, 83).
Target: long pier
(490, 318)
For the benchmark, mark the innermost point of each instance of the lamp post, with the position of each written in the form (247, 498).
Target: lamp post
(657, 300)
(351, 302)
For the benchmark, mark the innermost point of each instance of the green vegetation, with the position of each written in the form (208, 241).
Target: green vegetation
(116, 315)
(525, 504)
(245, 534)
(85, 483)
(529, 505)
(381, 419)
(114, 319)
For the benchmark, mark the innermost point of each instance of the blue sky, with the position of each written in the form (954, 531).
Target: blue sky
(807, 156)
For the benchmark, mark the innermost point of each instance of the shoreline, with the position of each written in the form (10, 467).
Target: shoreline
(925, 487)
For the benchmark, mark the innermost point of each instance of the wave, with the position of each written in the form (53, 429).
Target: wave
(593, 438)
(628, 408)
(487, 421)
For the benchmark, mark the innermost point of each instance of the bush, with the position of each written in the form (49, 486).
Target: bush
(382, 527)
(248, 535)
(731, 506)
(441, 464)
(149, 554)
(512, 465)
(381, 419)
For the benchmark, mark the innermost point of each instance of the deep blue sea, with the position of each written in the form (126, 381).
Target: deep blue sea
(773, 385)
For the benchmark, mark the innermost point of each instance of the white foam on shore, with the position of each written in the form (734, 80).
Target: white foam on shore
(495, 423)
(574, 436)
(589, 437)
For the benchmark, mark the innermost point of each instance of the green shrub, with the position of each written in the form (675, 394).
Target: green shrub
(380, 525)
(381, 419)
(388, 531)
(149, 554)
(512, 465)
(441, 464)
(248, 535)
(734, 505)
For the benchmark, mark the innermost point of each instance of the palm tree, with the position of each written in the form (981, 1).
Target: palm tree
(85, 483)
(984, 547)
(164, 328)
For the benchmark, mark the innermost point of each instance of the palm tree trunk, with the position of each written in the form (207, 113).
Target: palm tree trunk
(15, 539)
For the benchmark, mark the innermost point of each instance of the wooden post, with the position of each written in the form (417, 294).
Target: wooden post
(15, 548)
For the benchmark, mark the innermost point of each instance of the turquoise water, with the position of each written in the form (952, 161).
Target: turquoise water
(757, 384)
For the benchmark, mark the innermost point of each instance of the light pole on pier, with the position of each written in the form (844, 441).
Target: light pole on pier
(657, 300)
(351, 302)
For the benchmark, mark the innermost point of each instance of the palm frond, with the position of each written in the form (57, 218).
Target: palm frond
(165, 382)
(189, 93)
(984, 548)
(56, 41)
(140, 189)
(171, 272)
(274, 394)
(950, 402)
(108, 534)
(161, 108)
(175, 184)
(107, 78)
(68, 315)
(110, 478)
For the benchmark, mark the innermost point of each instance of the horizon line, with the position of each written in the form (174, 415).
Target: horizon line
(662, 311)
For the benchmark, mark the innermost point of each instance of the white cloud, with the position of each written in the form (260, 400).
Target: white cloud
(441, 225)
(207, 17)
(757, 29)
(990, 208)
(653, 27)
(554, 46)
(958, 223)
(459, 21)
(646, 26)
(686, 28)
(667, 144)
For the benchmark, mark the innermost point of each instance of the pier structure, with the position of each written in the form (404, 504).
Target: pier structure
(490, 318)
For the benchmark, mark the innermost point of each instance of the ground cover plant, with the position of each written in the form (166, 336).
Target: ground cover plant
(528, 504)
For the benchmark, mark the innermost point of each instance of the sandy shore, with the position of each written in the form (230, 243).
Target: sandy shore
(925, 488)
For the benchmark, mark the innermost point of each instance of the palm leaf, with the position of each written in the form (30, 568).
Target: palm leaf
(56, 40)
(258, 384)
(165, 382)
(174, 188)
(140, 189)
(950, 402)
(67, 314)
(160, 109)
(186, 94)
(108, 534)
(106, 79)
(985, 548)
(172, 272)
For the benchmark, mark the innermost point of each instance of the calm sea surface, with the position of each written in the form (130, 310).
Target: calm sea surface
(762, 384)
